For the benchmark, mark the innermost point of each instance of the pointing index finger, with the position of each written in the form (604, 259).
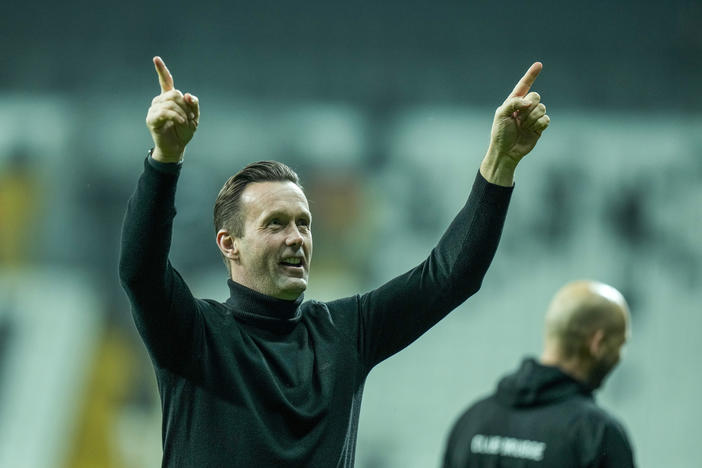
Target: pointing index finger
(527, 80)
(164, 76)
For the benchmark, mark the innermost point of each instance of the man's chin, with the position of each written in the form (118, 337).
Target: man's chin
(292, 289)
(599, 375)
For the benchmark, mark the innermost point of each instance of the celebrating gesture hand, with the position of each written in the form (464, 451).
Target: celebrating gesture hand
(517, 126)
(172, 118)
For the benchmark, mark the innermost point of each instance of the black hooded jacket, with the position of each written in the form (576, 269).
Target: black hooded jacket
(538, 417)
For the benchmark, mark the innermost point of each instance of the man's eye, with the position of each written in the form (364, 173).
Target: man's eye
(275, 222)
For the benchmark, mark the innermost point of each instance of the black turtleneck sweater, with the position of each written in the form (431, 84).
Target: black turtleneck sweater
(538, 417)
(261, 382)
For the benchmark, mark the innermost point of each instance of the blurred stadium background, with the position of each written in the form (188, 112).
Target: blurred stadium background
(384, 108)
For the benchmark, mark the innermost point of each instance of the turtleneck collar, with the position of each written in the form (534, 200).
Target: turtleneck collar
(263, 311)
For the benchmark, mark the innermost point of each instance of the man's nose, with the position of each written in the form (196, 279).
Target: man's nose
(294, 237)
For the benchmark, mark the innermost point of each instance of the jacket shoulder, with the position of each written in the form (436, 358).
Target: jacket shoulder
(602, 439)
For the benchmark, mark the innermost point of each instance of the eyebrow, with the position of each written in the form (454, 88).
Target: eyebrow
(279, 213)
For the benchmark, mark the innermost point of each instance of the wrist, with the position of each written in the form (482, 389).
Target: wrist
(498, 168)
(160, 156)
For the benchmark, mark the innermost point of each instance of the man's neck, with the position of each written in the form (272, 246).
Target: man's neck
(569, 366)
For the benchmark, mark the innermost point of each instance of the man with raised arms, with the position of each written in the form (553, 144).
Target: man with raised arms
(265, 379)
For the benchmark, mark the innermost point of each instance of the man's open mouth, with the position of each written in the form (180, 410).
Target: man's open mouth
(291, 261)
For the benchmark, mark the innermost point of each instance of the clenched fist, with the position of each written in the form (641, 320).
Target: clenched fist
(172, 118)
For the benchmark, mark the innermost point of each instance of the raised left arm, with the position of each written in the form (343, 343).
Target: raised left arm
(397, 313)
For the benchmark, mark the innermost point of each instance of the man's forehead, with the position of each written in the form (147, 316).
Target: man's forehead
(272, 195)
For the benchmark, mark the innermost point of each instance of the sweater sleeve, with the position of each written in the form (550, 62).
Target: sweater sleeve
(164, 310)
(397, 313)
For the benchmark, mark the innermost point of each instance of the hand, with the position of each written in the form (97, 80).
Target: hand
(517, 126)
(172, 118)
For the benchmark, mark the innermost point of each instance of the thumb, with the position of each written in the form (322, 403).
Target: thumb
(512, 105)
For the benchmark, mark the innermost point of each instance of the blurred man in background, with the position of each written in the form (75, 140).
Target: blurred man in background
(265, 379)
(544, 414)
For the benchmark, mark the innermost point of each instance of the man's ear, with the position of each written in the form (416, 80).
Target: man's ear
(597, 344)
(228, 245)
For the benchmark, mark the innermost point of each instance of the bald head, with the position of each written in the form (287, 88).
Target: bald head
(587, 323)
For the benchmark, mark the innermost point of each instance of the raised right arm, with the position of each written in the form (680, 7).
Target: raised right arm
(164, 310)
